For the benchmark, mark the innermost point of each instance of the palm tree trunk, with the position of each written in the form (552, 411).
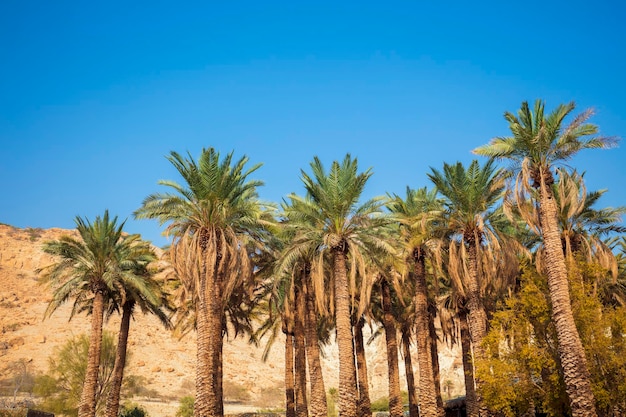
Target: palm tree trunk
(471, 403)
(364, 404)
(477, 317)
(573, 362)
(318, 406)
(427, 389)
(217, 343)
(434, 352)
(87, 407)
(206, 387)
(113, 400)
(347, 369)
(209, 325)
(290, 397)
(300, 355)
(395, 397)
(410, 376)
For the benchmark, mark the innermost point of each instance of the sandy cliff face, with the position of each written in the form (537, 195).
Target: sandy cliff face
(166, 362)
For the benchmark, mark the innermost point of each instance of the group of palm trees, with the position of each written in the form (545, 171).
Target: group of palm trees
(104, 271)
(325, 262)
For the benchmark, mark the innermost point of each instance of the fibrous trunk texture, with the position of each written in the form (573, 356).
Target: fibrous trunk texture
(466, 348)
(317, 404)
(427, 388)
(87, 407)
(434, 352)
(477, 317)
(347, 369)
(573, 362)
(395, 398)
(209, 316)
(300, 356)
(290, 397)
(113, 400)
(410, 376)
(364, 404)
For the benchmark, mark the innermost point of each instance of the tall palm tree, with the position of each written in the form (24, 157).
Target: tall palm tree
(302, 408)
(279, 317)
(387, 307)
(88, 270)
(538, 144)
(405, 332)
(417, 215)
(297, 262)
(471, 196)
(388, 320)
(143, 292)
(364, 403)
(334, 223)
(215, 218)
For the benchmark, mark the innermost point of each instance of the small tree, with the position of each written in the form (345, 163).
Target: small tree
(21, 378)
(61, 387)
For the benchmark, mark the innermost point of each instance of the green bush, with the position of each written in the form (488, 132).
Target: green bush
(186, 407)
(133, 410)
(381, 404)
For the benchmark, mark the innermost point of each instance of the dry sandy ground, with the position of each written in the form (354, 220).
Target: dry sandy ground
(168, 409)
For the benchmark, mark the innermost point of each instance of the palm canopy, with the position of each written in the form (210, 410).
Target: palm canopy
(474, 218)
(140, 288)
(216, 210)
(419, 216)
(216, 194)
(330, 218)
(470, 194)
(144, 291)
(102, 260)
(540, 142)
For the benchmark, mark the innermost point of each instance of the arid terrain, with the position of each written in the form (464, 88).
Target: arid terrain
(166, 363)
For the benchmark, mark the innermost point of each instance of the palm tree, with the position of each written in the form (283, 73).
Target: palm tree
(88, 270)
(332, 222)
(302, 408)
(364, 403)
(417, 215)
(294, 269)
(279, 317)
(470, 198)
(405, 332)
(389, 325)
(387, 308)
(215, 219)
(144, 292)
(539, 144)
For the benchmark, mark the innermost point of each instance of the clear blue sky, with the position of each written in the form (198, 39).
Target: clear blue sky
(93, 95)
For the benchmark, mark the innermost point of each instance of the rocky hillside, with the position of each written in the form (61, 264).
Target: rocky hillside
(166, 362)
